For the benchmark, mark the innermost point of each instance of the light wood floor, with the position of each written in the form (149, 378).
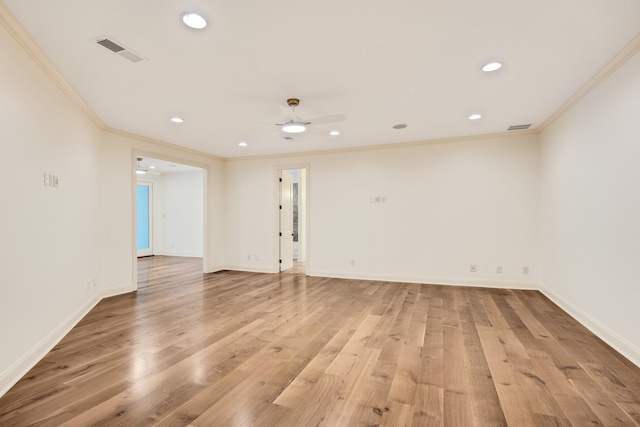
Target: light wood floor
(241, 349)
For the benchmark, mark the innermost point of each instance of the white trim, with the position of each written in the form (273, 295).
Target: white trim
(609, 68)
(276, 220)
(180, 254)
(114, 292)
(22, 366)
(250, 269)
(618, 343)
(215, 269)
(27, 43)
(135, 153)
(447, 281)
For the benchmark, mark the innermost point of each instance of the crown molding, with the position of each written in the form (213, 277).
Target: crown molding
(161, 143)
(17, 31)
(391, 146)
(609, 68)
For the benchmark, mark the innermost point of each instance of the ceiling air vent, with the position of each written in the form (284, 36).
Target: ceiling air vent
(122, 51)
(519, 127)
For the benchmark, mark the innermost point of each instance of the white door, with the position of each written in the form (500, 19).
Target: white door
(286, 220)
(144, 215)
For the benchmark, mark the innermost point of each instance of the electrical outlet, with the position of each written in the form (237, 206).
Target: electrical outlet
(248, 257)
(525, 270)
(499, 269)
(353, 263)
(473, 268)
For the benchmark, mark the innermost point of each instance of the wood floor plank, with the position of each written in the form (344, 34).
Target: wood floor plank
(239, 348)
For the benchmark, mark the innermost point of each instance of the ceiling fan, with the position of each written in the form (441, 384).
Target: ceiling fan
(141, 170)
(295, 124)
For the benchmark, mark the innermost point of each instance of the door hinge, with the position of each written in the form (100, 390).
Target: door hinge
(280, 234)
(280, 261)
(280, 206)
(280, 179)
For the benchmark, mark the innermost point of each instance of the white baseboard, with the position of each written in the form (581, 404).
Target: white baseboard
(15, 372)
(215, 269)
(450, 281)
(249, 269)
(112, 292)
(620, 344)
(19, 369)
(182, 254)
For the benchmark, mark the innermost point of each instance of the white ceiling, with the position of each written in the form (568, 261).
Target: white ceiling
(380, 63)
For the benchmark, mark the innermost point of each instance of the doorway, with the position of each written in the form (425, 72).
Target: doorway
(144, 219)
(169, 207)
(292, 219)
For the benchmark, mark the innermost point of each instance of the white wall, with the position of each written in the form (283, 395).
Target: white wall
(181, 213)
(48, 244)
(117, 179)
(448, 205)
(62, 249)
(590, 210)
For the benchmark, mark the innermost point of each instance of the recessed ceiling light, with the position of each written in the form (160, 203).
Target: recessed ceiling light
(334, 133)
(242, 144)
(475, 116)
(177, 120)
(193, 20)
(400, 126)
(152, 167)
(492, 66)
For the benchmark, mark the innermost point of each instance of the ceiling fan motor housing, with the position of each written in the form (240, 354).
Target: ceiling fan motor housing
(293, 102)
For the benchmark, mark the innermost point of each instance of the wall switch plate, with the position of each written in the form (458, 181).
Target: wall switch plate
(473, 268)
(525, 270)
(499, 269)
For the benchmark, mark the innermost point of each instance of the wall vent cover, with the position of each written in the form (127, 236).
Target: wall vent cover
(519, 127)
(120, 50)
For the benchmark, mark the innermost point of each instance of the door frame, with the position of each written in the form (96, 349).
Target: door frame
(206, 250)
(276, 210)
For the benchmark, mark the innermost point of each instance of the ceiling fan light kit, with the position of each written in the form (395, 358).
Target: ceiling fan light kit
(293, 127)
(297, 125)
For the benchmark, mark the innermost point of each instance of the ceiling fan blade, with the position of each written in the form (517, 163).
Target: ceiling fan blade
(328, 119)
